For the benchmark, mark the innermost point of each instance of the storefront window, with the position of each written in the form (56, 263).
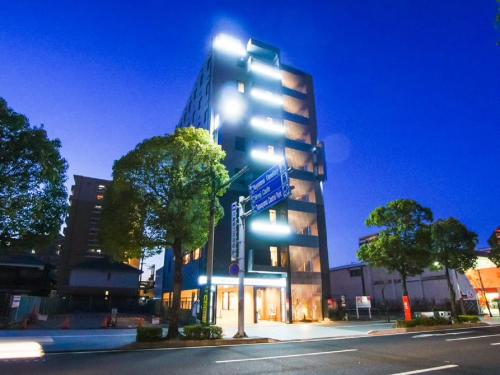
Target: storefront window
(306, 302)
(304, 259)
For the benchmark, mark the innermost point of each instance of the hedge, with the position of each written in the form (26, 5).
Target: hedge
(145, 334)
(468, 319)
(422, 322)
(202, 332)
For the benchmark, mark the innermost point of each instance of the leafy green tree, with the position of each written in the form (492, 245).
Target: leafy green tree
(403, 245)
(160, 199)
(32, 176)
(494, 242)
(453, 248)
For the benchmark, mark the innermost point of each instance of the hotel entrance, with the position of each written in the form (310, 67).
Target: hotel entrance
(261, 304)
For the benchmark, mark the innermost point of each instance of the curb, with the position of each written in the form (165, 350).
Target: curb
(447, 327)
(197, 343)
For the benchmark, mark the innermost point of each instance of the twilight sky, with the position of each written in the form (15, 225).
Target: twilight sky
(407, 92)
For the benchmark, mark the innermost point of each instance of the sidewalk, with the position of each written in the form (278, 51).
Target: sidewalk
(306, 331)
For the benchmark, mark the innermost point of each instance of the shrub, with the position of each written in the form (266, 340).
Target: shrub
(202, 332)
(422, 322)
(468, 319)
(149, 334)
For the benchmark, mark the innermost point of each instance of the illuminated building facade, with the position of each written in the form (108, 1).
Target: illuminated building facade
(262, 112)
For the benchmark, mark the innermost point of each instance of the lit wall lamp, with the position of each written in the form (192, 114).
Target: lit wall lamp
(267, 157)
(266, 227)
(267, 96)
(265, 69)
(229, 45)
(267, 125)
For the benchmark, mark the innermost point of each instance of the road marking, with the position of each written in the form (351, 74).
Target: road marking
(425, 370)
(285, 342)
(439, 334)
(472, 337)
(495, 343)
(44, 339)
(286, 356)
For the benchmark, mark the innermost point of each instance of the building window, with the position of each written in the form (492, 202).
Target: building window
(228, 301)
(241, 87)
(273, 250)
(100, 197)
(272, 216)
(239, 144)
(98, 207)
(101, 187)
(186, 258)
(355, 272)
(197, 254)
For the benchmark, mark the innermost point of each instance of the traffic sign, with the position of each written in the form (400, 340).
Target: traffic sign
(270, 188)
(234, 268)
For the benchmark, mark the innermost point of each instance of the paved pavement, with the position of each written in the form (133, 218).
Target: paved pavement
(96, 339)
(465, 351)
(301, 331)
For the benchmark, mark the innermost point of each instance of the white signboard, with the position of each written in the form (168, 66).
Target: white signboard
(363, 302)
(16, 300)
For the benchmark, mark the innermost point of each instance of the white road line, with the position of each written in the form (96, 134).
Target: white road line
(425, 370)
(439, 334)
(286, 356)
(44, 339)
(495, 343)
(473, 337)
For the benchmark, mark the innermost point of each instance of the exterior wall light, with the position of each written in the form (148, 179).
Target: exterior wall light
(267, 157)
(229, 45)
(265, 70)
(267, 96)
(250, 281)
(269, 228)
(232, 106)
(267, 124)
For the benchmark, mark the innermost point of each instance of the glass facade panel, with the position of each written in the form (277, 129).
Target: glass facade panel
(299, 160)
(303, 190)
(304, 223)
(304, 259)
(306, 302)
(297, 132)
(294, 81)
(295, 106)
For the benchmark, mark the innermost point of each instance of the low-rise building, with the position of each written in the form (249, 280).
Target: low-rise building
(427, 290)
(98, 284)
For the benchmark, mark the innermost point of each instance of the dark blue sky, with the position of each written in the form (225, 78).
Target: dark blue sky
(408, 92)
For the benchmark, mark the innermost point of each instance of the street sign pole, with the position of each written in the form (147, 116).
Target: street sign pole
(241, 273)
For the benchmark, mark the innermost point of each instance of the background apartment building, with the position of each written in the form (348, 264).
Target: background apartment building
(262, 112)
(86, 277)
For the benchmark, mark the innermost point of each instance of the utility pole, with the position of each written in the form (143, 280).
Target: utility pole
(241, 265)
(208, 315)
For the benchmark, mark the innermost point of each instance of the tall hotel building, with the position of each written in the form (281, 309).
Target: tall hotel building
(261, 112)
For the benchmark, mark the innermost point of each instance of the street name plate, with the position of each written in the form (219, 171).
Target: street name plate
(269, 189)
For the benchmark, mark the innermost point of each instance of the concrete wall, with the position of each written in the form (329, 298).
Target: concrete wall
(430, 286)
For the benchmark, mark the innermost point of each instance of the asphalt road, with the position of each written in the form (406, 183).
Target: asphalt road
(466, 351)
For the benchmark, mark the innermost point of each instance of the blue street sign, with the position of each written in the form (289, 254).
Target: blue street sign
(270, 188)
(234, 268)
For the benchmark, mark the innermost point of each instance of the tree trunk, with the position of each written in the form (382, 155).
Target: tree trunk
(173, 323)
(452, 294)
(405, 287)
